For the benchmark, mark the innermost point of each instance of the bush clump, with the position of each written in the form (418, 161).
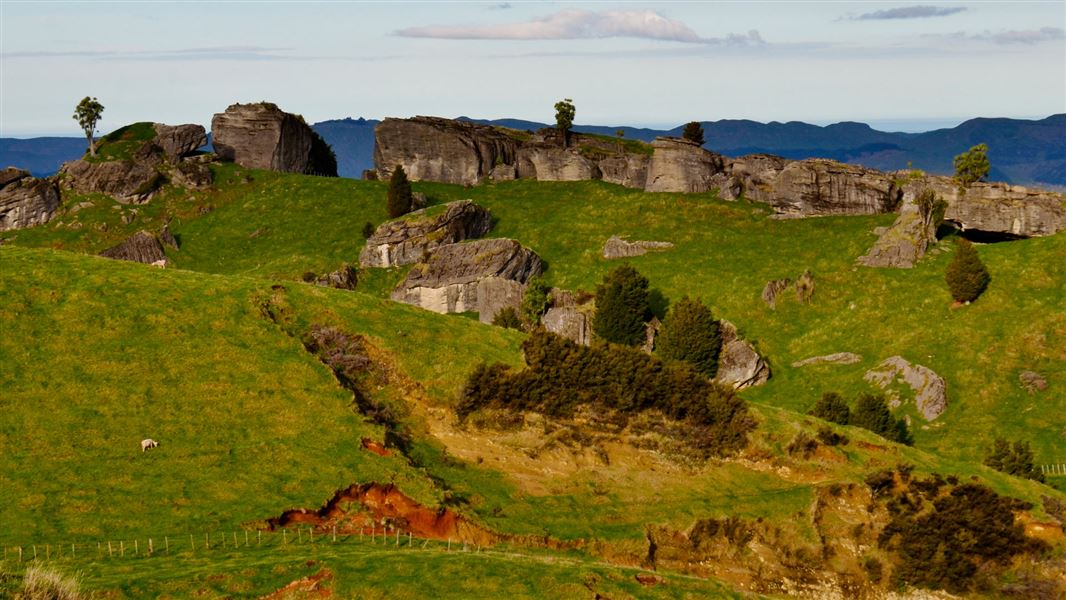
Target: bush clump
(966, 276)
(1016, 459)
(507, 317)
(400, 199)
(622, 307)
(832, 407)
(691, 333)
(42, 582)
(871, 412)
(561, 375)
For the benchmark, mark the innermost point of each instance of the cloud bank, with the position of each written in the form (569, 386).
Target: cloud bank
(583, 24)
(1007, 37)
(910, 12)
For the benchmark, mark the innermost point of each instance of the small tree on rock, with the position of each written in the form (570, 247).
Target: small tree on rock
(694, 132)
(972, 166)
(621, 307)
(535, 301)
(399, 198)
(966, 276)
(87, 113)
(564, 118)
(691, 333)
(832, 407)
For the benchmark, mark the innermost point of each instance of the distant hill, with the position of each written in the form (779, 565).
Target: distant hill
(1021, 151)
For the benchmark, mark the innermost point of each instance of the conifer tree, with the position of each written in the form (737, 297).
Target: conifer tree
(694, 132)
(399, 198)
(972, 166)
(832, 407)
(966, 276)
(621, 307)
(691, 333)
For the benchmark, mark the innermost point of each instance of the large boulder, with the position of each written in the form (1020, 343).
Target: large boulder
(179, 141)
(26, 201)
(142, 247)
(129, 181)
(1012, 210)
(497, 293)
(815, 187)
(548, 162)
(680, 165)
(930, 390)
(568, 322)
(445, 150)
(630, 170)
(906, 241)
(262, 136)
(739, 365)
(405, 240)
(617, 247)
(447, 282)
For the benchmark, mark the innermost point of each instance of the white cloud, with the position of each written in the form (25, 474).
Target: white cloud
(909, 12)
(583, 24)
(1005, 37)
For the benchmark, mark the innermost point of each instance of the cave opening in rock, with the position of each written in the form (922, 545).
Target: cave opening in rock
(978, 236)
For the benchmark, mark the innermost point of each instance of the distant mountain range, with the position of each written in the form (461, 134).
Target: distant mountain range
(1021, 151)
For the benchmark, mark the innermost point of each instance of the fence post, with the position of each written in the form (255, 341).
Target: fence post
(207, 542)
(334, 534)
(235, 539)
(449, 544)
(99, 551)
(299, 535)
(48, 552)
(192, 543)
(72, 556)
(136, 546)
(397, 537)
(35, 552)
(409, 539)
(259, 537)
(109, 548)
(245, 538)
(166, 543)
(122, 548)
(20, 554)
(284, 536)
(151, 547)
(311, 533)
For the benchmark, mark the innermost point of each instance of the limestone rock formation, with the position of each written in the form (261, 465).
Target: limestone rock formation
(344, 278)
(617, 247)
(629, 170)
(262, 136)
(142, 247)
(435, 149)
(404, 241)
(739, 365)
(906, 241)
(930, 390)
(999, 207)
(26, 201)
(448, 281)
(837, 358)
(680, 165)
(548, 162)
(820, 187)
(497, 293)
(568, 322)
(179, 141)
(132, 181)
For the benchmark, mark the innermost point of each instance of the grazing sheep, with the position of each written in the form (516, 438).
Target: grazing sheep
(148, 443)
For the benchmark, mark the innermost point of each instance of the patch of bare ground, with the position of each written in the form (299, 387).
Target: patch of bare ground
(304, 588)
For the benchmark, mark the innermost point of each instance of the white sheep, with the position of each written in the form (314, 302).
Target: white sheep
(148, 443)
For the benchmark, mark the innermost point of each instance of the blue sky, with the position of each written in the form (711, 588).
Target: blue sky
(898, 64)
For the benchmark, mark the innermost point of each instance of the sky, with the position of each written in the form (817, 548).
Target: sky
(897, 65)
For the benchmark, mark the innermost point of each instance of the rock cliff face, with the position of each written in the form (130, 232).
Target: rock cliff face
(739, 365)
(26, 201)
(405, 240)
(179, 141)
(568, 322)
(142, 247)
(549, 162)
(814, 186)
(448, 281)
(435, 149)
(679, 165)
(999, 207)
(906, 241)
(262, 136)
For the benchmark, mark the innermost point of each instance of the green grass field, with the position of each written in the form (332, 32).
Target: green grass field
(96, 355)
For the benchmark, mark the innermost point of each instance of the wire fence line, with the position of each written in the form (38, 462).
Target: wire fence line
(1057, 469)
(231, 541)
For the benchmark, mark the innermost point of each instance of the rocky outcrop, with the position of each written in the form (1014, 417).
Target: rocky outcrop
(772, 289)
(1032, 381)
(568, 322)
(930, 391)
(132, 181)
(548, 162)
(179, 141)
(262, 136)
(497, 293)
(837, 358)
(26, 201)
(816, 187)
(405, 240)
(142, 247)
(445, 150)
(629, 170)
(617, 247)
(448, 281)
(907, 240)
(739, 365)
(680, 165)
(1013, 210)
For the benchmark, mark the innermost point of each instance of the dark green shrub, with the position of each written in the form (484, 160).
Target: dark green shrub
(966, 276)
(1014, 460)
(693, 132)
(368, 230)
(621, 307)
(972, 166)
(508, 318)
(831, 438)
(536, 300)
(832, 407)
(322, 160)
(562, 375)
(399, 196)
(691, 333)
(871, 412)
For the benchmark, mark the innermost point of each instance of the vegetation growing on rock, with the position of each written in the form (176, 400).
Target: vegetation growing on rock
(87, 113)
(693, 132)
(972, 166)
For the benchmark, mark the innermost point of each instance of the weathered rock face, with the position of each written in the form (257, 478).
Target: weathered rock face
(497, 293)
(930, 391)
(629, 170)
(448, 281)
(128, 181)
(178, 141)
(617, 247)
(999, 207)
(739, 365)
(262, 136)
(142, 247)
(837, 358)
(772, 289)
(679, 165)
(26, 201)
(344, 278)
(405, 240)
(825, 187)
(906, 241)
(568, 322)
(545, 162)
(435, 149)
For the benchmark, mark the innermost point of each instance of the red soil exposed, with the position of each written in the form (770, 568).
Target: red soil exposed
(306, 587)
(383, 507)
(376, 447)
